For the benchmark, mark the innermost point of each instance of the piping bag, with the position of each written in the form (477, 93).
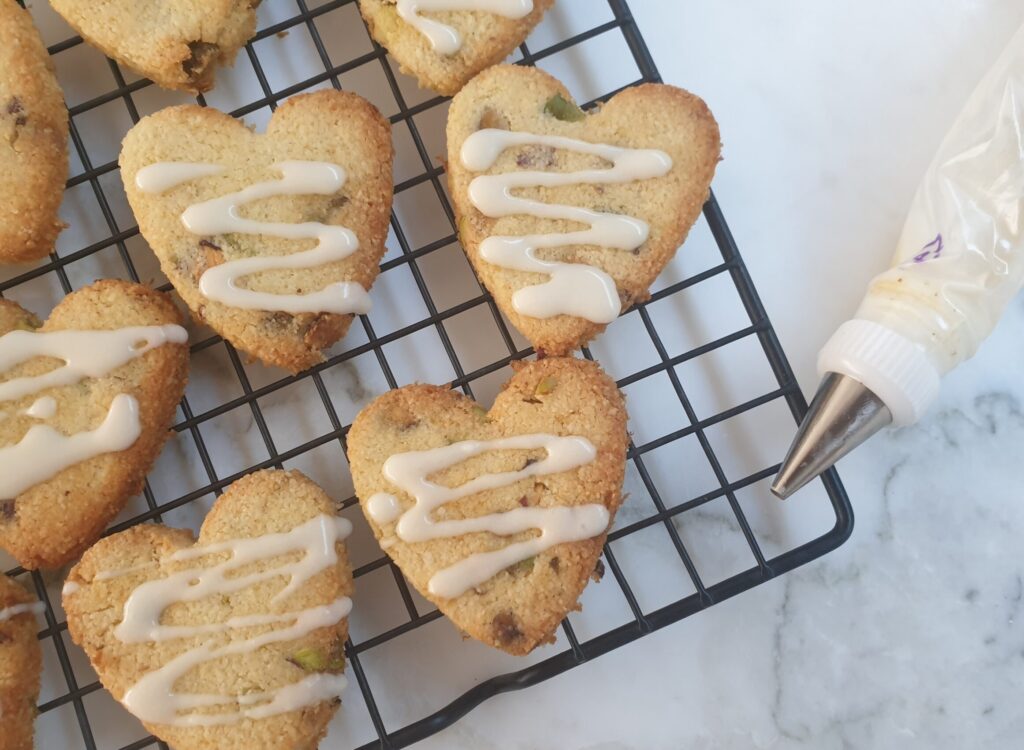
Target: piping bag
(958, 263)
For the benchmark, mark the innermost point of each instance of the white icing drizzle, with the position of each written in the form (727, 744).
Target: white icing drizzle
(316, 538)
(44, 452)
(153, 697)
(86, 354)
(409, 471)
(21, 609)
(575, 289)
(70, 589)
(159, 178)
(383, 508)
(42, 408)
(445, 39)
(222, 216)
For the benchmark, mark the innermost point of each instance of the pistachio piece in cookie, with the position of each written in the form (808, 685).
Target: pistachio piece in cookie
(234, 640)
(177, 44)
(271, 239)
(86, 401)
(444, 43)
(568, 217)
(498, 517)
(33, 140)
(21, 662)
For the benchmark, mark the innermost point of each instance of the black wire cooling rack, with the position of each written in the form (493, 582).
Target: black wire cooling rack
(671, 502)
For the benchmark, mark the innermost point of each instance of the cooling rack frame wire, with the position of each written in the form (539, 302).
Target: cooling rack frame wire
(578, 651)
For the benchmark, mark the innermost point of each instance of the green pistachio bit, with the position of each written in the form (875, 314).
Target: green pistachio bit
(26, 325)
(480, 412)
(562, 109)
(524, 567)
(309, 659)
(546, 386)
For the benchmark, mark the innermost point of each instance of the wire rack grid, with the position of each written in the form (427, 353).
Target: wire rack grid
(689, 496)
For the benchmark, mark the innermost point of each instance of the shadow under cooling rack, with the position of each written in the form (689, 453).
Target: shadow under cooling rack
(712, 397)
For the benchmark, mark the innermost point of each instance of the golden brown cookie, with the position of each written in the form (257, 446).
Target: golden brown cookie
(520, 606)
(51, 522)
(651, 117)
(485, 38)
(177, 44)
(33, 140)
(333, 127)
(21, 662)
(256, 608)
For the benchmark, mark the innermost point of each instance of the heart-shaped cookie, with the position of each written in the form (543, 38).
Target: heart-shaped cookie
(33, 140)
(86, 400)
(274, 239)
(234, 641)
(177, 44)
(444, 43)
(569, 217)
(21, 661)
(497, 517)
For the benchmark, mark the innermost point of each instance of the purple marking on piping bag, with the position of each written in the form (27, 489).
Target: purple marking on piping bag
(933, 250)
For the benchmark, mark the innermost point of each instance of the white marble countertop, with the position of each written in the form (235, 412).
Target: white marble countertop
(912, 634)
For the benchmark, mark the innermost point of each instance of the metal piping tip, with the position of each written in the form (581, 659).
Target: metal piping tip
(843, 415)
